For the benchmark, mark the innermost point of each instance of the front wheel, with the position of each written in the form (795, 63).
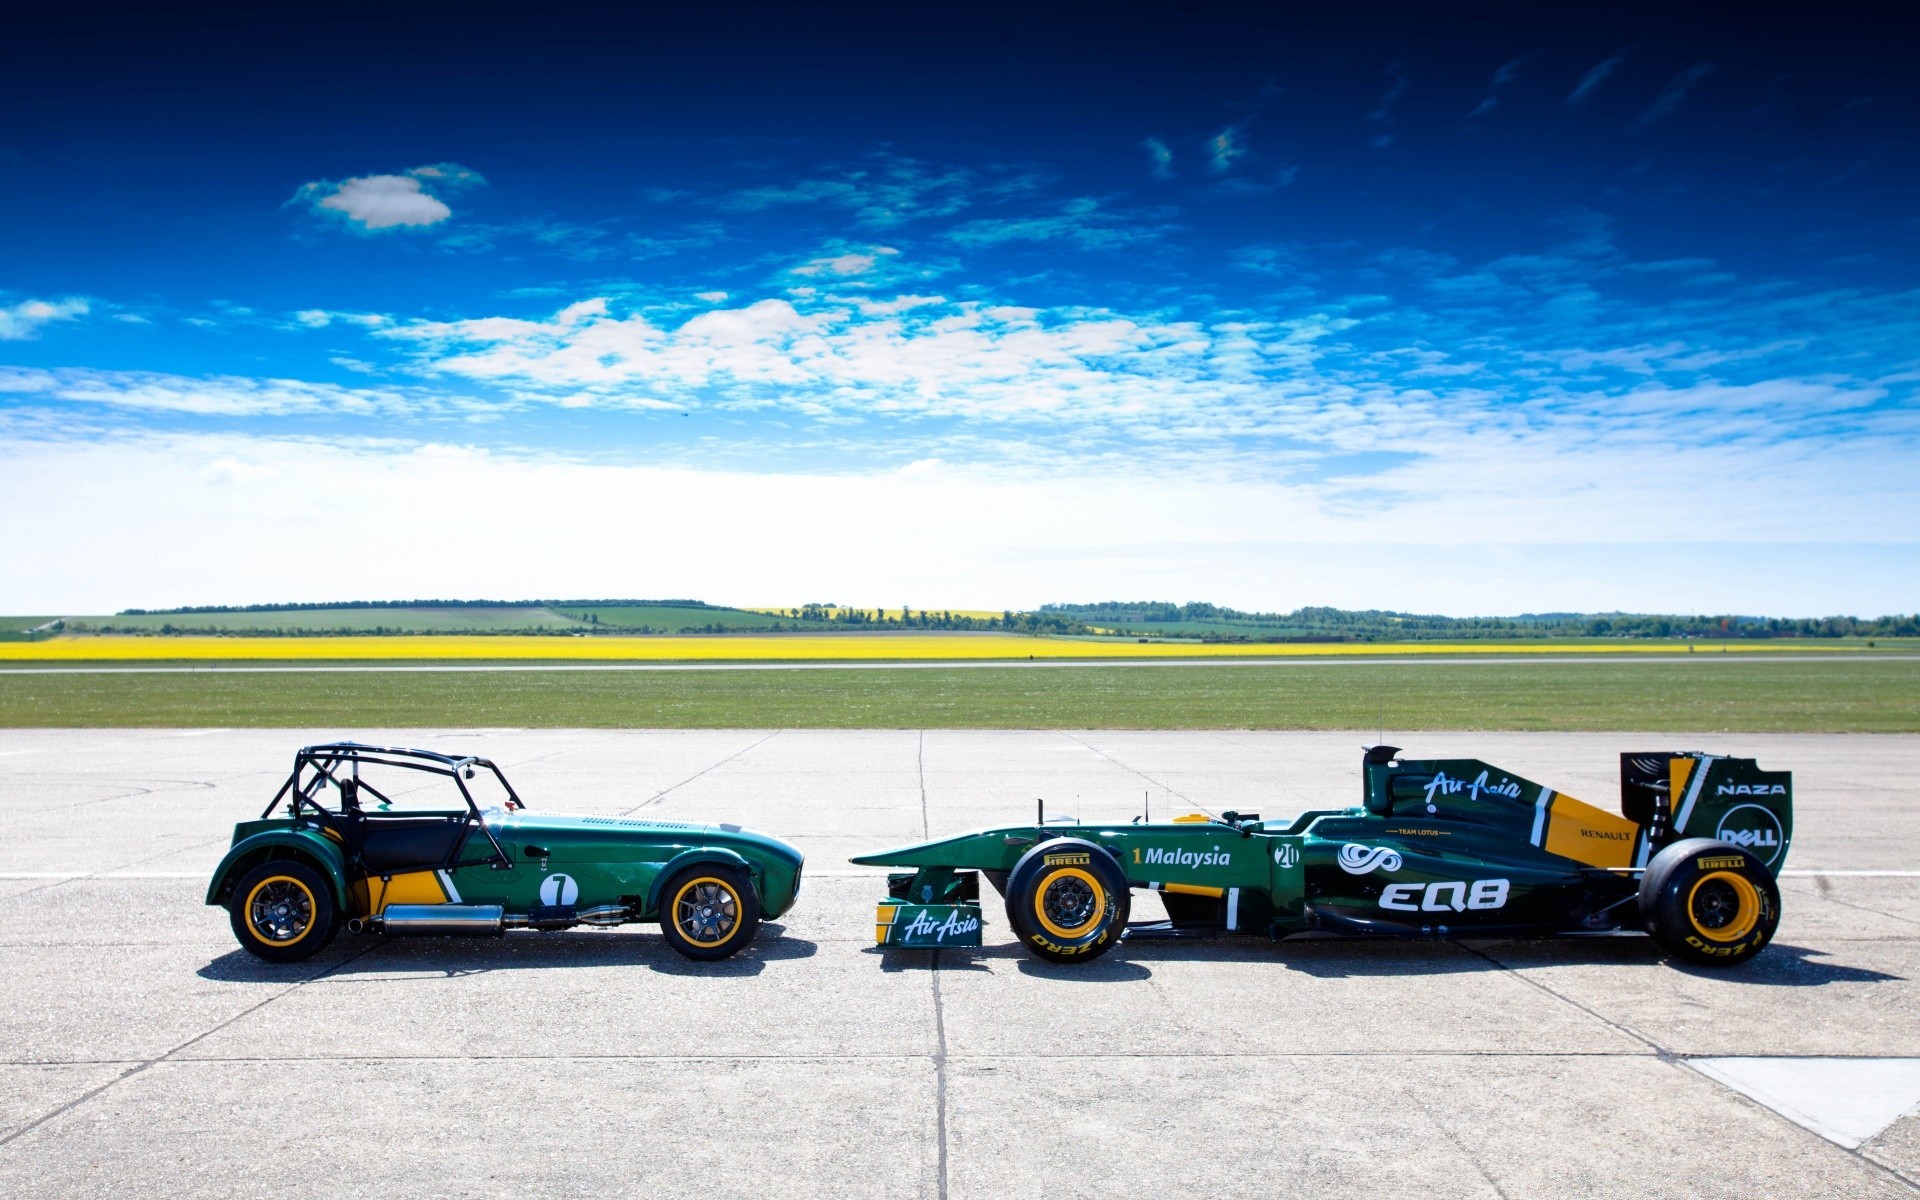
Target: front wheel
(1709, 903)
(709, 913)
(282, 911)
(1068, 901)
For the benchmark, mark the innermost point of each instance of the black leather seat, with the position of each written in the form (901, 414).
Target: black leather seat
(391, 844)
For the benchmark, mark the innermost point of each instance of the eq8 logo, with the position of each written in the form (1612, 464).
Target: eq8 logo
(1752, 828)
(1450, 896)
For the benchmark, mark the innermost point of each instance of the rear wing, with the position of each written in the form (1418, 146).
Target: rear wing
(1692, 794)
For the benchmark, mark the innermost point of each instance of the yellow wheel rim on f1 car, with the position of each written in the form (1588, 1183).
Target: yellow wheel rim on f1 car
(1727, 910)
(706, 911)
(1071, 903)
(280, 910)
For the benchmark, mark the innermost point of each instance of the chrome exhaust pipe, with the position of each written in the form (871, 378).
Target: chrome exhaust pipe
(481, 920)
(600, 914)
(606, 914)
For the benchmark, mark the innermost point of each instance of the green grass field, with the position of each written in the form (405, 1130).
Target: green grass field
(659, 618)
(15, 628)
(667, 618)
(1850, 695)
(461, 619)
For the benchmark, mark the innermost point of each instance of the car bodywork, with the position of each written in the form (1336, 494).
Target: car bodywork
(1436, 848)
(465, 869)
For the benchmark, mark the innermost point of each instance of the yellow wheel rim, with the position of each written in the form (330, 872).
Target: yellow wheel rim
(280, 910)
(1068, 894)
(706, 911)
(1705, 905)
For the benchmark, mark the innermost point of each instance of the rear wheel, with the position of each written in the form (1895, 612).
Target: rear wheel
(709, 913)
(1068, 901)
(282, 911)
(1709, 903)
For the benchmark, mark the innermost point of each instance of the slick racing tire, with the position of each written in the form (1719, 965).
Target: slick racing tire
(1709, 903)
(1068, 900)
(282, 911)
(709, 912)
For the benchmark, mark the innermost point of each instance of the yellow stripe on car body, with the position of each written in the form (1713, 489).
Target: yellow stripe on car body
(410, 887)
(1589, 835)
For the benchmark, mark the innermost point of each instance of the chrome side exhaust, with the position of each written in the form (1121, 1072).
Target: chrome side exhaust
(550, 919)
(482, 920)
(606, 914)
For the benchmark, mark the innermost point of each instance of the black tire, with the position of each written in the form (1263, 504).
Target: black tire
(709, 912)
(1068, 901)
(283, 911)
(1708, 903)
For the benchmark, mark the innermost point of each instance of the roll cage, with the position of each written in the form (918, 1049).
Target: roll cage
(339, 763)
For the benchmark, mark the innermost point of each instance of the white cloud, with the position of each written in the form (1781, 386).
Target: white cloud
(1081, 222)
(1443, 442)
(1223, 149)
(218, 395)
(911, 355)
(1159, 158)
(320, 318)
(1674, 94)
(23, 321)
(384, 201)
(1501, 78)
(848, 263)
(412, 199)
(1259, 185)
(884, 191)
(258, 505)
(1595, 76)
(1398, 88)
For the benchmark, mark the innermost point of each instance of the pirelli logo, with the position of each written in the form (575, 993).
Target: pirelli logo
(1719, 864)
(1067, 860)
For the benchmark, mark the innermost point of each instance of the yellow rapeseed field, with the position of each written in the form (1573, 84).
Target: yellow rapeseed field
(775, 648)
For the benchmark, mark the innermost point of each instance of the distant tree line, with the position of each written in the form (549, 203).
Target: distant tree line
(1383, 624)
(1207, 622)
(814, 617)
(876, 618)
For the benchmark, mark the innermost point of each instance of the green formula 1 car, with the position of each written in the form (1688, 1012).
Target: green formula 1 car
(358, 846)
(1442, 848)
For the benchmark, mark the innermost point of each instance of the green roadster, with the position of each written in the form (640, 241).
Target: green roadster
(356, 847)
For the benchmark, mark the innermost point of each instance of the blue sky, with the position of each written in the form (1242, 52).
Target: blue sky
(1476, 310)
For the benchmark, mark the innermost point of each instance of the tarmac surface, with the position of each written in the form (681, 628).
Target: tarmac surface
(142, 1053)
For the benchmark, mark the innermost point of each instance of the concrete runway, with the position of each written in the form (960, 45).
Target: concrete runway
(141, 1053)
